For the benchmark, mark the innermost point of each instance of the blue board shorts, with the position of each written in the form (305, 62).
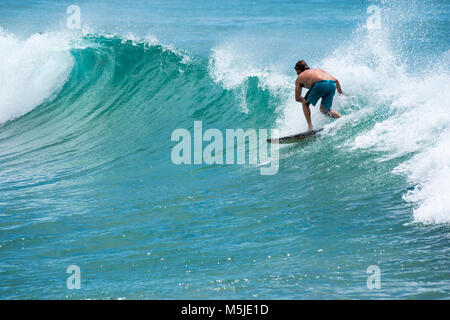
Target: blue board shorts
(324, 89)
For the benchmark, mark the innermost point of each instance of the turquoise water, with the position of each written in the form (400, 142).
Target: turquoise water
(86, 176)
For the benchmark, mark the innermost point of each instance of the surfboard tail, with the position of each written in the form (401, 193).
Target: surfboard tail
(294, 138)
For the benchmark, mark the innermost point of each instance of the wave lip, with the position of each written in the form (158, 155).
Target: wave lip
(32, 71)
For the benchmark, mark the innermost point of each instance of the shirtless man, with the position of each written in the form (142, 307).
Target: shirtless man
(321, 84)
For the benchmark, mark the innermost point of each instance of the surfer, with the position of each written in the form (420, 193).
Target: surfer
(321, 85)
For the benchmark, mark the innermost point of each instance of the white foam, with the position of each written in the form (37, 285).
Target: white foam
(417, 117)
(420, 125)
(32, 70)
(430, 171)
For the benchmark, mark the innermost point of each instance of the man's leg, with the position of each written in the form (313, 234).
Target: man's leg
(330, 113)
(307, 113)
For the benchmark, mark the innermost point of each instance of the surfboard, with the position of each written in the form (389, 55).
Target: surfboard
(294, 138)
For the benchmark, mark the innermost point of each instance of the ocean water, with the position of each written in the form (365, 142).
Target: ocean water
(86, 176)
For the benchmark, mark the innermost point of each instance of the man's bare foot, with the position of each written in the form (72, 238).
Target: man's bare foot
(334, 114)
(331, 113)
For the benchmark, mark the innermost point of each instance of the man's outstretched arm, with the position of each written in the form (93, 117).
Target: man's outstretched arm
(299, 98)
(298, 91)
(307, 113)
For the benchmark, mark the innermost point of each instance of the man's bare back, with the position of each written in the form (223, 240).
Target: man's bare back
(308, 77)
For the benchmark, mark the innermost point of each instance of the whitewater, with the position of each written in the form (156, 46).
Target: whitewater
(86, 118)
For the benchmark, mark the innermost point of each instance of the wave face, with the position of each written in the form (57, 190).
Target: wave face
(85, 127)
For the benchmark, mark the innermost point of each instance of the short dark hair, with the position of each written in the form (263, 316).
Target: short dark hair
(301, 65)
